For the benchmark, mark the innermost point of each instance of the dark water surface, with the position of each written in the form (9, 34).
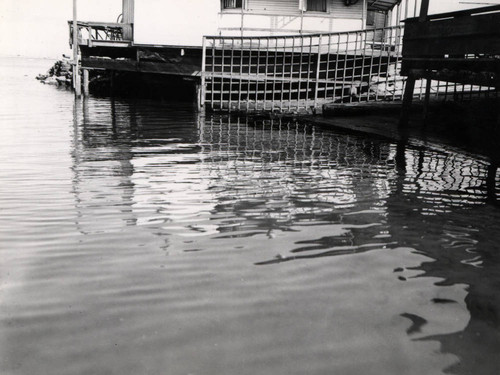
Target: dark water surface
(139, 238)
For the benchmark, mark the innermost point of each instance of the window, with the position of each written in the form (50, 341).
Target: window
(316, 5)
(370, 18)
(232, 4)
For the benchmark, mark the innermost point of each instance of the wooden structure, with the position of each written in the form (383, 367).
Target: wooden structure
(144, 40)
(460, 47)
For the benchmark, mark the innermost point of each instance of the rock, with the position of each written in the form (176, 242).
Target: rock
(63, 80)
(51, 81)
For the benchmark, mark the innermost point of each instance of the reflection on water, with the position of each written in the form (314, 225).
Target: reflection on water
(141, 238)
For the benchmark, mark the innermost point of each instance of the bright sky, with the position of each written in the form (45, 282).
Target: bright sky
(38, 28)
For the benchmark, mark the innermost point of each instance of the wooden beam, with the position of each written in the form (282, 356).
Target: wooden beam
(424, 10)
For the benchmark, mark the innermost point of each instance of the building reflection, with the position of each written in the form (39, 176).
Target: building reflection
(452, 199)
(102, 166)
(183, 177)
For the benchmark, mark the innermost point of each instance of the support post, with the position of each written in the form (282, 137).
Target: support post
(201, 96)
(407, 100)
(318, 68)
(86, 82)
(76, 73)
(364, 15)
(112, 83)
(427, 97)
(424, 10)
(410, 82)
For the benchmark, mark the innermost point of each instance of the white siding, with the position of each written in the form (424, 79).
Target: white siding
(175, 22)
(336, 8)
(184, 22)
(288, 6)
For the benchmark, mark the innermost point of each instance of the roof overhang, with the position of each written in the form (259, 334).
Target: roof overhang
(382, 5)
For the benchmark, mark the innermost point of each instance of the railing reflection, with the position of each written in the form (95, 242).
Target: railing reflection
(196, 184)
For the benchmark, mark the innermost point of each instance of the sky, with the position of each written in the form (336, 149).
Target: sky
(37, 28)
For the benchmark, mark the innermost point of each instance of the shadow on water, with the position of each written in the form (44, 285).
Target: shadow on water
(272, 178)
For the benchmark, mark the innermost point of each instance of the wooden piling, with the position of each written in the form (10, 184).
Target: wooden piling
(410, 82)
(76, 73)
(86, 82)
(407, 100)
(427, 97)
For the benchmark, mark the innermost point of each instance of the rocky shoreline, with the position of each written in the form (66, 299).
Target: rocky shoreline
(60, 74)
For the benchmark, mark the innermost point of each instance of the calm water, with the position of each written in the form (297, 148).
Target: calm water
(139, 238)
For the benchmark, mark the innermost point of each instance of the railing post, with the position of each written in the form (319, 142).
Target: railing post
(201, 97)
(318, 66)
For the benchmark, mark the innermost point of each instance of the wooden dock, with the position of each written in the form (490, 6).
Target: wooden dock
(446, 55)
(459, 47)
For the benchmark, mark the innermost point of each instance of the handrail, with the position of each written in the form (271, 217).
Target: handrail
(102, 31)
(98, 24)
(315, 35)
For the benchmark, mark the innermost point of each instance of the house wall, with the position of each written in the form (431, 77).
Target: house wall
(174, 22)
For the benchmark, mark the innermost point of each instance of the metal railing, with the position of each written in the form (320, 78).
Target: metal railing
(299, 73)
(89, 32)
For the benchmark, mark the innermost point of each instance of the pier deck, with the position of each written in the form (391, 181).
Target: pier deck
(459, 47)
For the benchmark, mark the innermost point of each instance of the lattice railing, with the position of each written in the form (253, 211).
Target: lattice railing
(299, 73)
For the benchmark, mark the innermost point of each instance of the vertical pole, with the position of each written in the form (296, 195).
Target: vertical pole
(201, 98)
(424, 9)
(86, 82)
(427, 97)
(242, 16)
(76, 73)
(111, 83)
(364, 16)
(301, 21)
(318, 67)
(410, 82)
(407, 99)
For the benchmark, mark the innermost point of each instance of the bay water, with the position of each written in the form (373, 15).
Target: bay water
(141, 237)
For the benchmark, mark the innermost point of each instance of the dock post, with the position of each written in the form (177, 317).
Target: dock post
(407, 100)
(427, 97)
(202, 85)
(410, 82)
(77, 85)
(85, 82)
(111, 83)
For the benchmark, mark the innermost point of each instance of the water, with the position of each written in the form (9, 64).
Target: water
(139, 238)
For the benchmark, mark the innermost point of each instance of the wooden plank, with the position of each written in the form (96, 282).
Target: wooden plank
(479, 64)
(458, 13)
(479, 25)
(456, 46)
(142, 66)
